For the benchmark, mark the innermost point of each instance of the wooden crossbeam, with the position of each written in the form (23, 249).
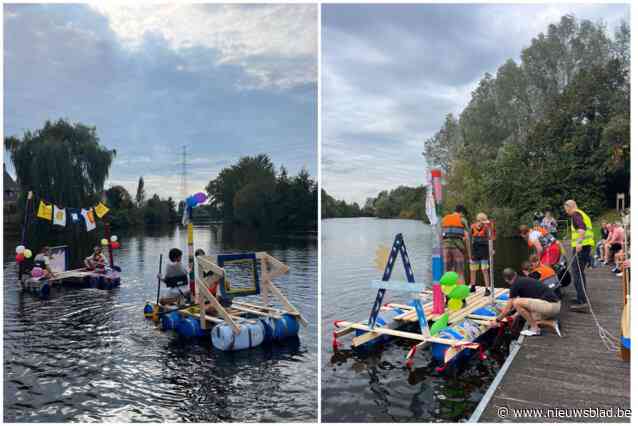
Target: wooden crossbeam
(257, 312)
(284, 301)
(403, 334)
(204, 294)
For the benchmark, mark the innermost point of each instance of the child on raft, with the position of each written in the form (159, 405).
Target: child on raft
(176, 279)
(42, 260)
(212, 283)
(96, 261)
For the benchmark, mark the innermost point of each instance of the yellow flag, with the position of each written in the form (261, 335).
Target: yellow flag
(101, 210)
(45, 211)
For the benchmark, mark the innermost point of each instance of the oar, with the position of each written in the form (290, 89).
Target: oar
(159, 280)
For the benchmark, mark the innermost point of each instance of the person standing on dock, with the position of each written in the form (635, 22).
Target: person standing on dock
(582, 237)
(455, 241)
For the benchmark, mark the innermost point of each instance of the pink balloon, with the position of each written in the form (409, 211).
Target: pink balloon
(200, 197)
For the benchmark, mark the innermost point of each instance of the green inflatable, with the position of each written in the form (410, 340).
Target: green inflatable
(439, 325)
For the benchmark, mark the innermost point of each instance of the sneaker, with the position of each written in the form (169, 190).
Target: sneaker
(615, 270)
(487, 292)
(619, 274)
(557, 328)
(472, 288)
(579, 307)
(529, 332)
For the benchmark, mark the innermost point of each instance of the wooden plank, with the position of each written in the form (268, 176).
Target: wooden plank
(403, 334)
(256, 312)
(289, 307)
(203, 290)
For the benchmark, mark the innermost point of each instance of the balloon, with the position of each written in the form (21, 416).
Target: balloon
(439, 324)
(20, 249)
(460, 292)
(115, 245)
(447, 289)
(27, 254)
(449, 278)
(19, 257)
(191, 202)
(455, 304)
(37, 272)
(104, 242)
(200, 197)
(113, 238)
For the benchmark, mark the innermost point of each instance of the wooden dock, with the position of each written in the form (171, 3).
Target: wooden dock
(572, 372)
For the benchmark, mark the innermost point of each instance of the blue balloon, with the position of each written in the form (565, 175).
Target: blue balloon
(191, 202)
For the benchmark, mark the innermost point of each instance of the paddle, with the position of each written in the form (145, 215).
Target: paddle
(159, 280)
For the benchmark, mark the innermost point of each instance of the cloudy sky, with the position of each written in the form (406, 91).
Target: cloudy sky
(390, 74)
(225, 81)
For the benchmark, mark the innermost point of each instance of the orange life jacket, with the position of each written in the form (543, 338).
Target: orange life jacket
(452, 226)
(547, 275)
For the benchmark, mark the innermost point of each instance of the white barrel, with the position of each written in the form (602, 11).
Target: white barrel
(250, 336)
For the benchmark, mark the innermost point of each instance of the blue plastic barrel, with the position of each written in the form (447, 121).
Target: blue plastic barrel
(276, 329)
(171, 321)
(190, 327)
(384, 319)
(251, 335)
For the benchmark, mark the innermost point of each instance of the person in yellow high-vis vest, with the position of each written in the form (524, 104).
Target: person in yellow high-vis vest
(582, 239)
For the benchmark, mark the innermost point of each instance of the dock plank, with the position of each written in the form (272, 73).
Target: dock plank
(572, 372)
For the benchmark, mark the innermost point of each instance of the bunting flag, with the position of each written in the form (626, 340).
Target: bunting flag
(59, 216)
(45, 211)
(89, 219)
(101, 210)
(74, 215)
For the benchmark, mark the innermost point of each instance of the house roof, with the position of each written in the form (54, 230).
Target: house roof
(9, 183)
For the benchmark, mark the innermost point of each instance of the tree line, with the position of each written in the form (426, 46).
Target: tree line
(66, 163)
(251, 193)
(554, 126)
(403, 202)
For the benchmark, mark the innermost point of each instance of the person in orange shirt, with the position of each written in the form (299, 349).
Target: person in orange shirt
(482, 233)
(455, 242)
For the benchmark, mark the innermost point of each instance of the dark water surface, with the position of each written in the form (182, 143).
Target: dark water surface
(89, 355)
(379, 387)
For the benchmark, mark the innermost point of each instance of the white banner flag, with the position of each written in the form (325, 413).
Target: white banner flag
(59, 216)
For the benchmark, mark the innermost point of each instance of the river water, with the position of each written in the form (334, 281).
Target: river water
(380, 387)
(89, 355)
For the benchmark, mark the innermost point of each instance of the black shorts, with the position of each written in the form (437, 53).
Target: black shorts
(615, 248)
(480, 252)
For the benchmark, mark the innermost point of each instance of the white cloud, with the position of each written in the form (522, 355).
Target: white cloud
(275, 44)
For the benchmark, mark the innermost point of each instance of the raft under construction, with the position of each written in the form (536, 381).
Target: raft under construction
(238, 323)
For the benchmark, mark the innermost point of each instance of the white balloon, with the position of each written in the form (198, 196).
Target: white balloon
(20, 249)
(113, 238)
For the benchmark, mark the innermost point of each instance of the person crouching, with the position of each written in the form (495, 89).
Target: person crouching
(535, 302)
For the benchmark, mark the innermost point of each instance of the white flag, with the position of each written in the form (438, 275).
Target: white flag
(430, 206)
(59, 216)
(89, 219)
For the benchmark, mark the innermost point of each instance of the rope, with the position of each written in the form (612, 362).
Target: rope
(609, 340)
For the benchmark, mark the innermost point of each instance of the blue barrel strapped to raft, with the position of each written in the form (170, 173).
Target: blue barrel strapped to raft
(251, 335)
(277, 329)
(384, 319)
(170, 321)
(190, 327)
(455, 332)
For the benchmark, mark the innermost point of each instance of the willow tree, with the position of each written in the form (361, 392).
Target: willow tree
(63, 163)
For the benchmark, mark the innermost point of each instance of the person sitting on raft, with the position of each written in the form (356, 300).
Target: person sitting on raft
(43, 260)
(547, 247)
(535, 302)
(96, 262)
(481, 234)
(176, 279)
(212, 284)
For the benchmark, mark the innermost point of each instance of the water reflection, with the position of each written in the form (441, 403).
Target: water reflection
(88, 355)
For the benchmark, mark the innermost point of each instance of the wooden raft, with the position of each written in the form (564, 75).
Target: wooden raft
(475, 301)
